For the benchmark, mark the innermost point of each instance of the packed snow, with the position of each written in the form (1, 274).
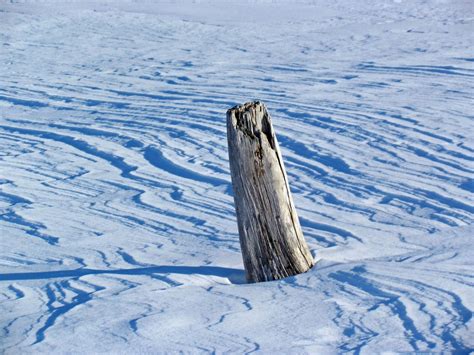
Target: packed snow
(118, 230)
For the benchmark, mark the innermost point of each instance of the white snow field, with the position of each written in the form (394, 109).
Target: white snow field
(118, 231)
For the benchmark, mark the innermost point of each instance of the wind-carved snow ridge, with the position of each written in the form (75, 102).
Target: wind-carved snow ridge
(117, 222)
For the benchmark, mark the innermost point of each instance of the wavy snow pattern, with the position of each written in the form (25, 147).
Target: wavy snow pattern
(117, 212)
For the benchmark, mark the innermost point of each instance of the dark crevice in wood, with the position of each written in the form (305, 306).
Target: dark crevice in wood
(267, 130)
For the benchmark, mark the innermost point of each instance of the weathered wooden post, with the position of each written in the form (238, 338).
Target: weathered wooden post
(273, 246)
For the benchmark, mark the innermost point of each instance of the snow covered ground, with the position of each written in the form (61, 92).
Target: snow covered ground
(117, 226)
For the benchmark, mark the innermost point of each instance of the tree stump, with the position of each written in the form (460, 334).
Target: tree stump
(272, 243)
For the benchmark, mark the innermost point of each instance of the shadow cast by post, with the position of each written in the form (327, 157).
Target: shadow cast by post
(235, 276)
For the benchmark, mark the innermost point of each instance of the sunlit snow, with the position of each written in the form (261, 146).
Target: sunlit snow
(118, 231)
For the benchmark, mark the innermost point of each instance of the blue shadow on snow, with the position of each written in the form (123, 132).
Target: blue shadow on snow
(235, 276)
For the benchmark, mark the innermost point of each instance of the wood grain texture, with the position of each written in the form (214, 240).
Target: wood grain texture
(273, 246)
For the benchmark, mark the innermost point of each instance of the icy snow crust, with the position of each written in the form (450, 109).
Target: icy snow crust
(118, 231)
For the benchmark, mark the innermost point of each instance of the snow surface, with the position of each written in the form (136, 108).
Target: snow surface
(118, 231)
